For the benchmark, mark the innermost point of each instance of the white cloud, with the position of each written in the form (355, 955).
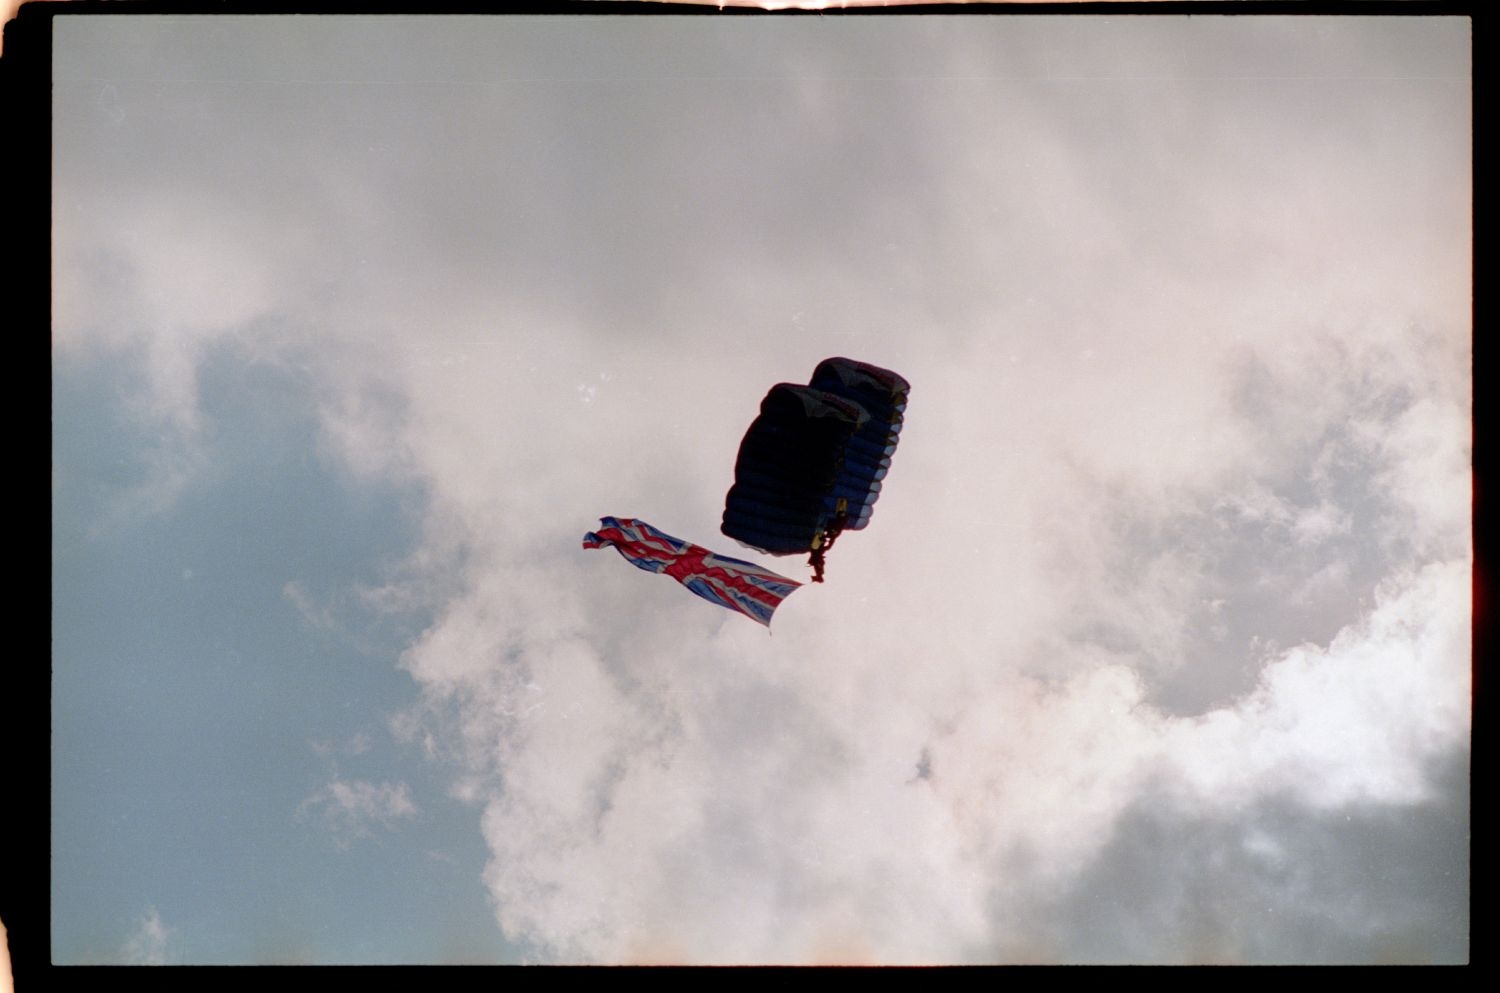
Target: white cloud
(315, 615)
(1355, 721)
(1428, 469)
(1316, 524)
(351, 809)
(168, 467)
(355, 744)
(732, 815)
(151, 942)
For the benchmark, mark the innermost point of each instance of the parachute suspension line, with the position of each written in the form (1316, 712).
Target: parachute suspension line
(823, 540)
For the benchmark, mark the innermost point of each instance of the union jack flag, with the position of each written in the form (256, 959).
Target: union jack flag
(733, 583)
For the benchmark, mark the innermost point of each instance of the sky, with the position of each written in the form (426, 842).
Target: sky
(1155, 651)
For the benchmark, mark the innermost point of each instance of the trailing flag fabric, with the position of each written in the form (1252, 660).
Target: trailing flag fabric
(733, 583)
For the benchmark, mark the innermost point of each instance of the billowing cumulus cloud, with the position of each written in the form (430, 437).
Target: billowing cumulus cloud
(1176, 539)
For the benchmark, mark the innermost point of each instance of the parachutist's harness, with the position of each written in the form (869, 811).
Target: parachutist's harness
(823, 540)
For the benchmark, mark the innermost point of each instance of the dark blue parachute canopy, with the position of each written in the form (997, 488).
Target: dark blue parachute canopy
(811, 464)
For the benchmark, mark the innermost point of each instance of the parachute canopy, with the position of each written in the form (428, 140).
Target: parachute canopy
(811, 464)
